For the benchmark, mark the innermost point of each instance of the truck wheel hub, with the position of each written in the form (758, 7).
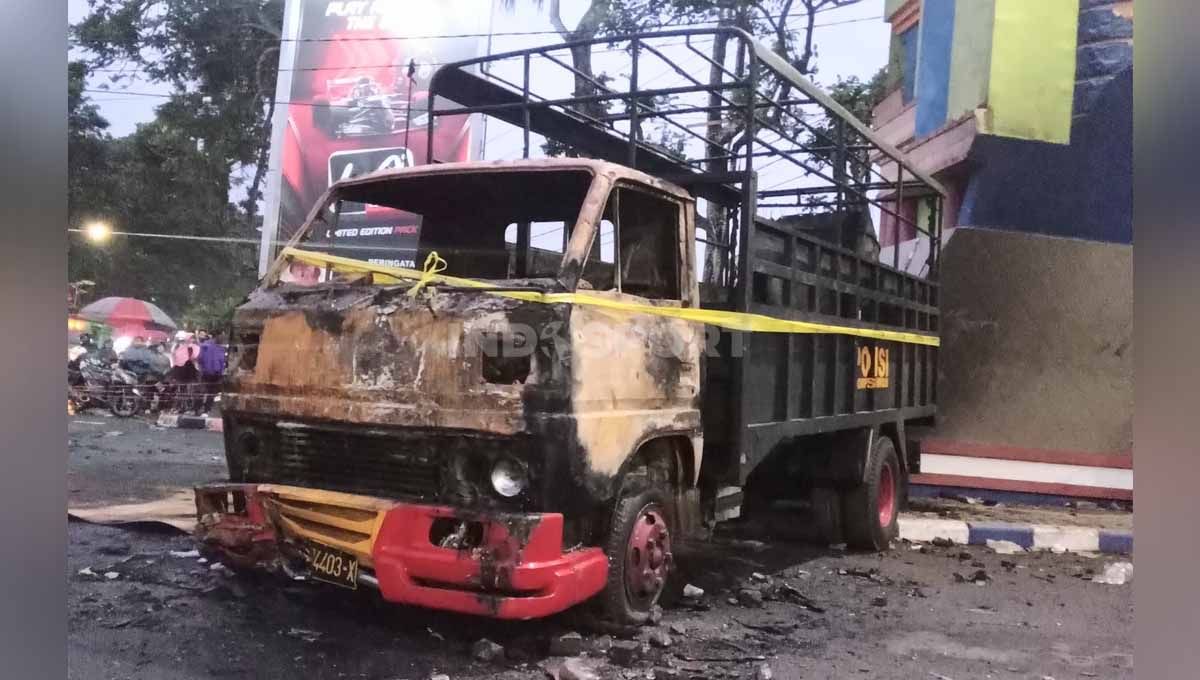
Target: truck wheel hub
(648, 557)
(887, 496)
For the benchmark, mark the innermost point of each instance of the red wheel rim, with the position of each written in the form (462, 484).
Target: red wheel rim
(887, 495)
(647, 557)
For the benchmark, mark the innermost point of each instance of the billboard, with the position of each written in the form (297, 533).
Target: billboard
(352, 99)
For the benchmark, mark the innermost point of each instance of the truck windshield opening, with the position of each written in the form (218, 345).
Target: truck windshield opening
(496, 226)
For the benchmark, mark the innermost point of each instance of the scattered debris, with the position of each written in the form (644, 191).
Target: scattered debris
(567, 644)
(87, 571)
(943, 542)
(113, 433)
(486, 650)
(879, 601)
(577, 669)
(184, 553)
(677, 628)
(773, 627)
(660, 639)
(763, 672)
(435, 635)
(750, 598)
(757, 576)
(1115, 574)
(793, 594)
(979, 577)
(220, 568)
(304, 634)
(871, 574)
(692, 592)
(656, 614)
(111, 575)
(624, 653)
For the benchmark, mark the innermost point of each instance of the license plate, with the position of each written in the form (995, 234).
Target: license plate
(331, 565)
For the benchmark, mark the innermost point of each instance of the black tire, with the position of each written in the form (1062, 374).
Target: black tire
(124, 403)
(617, 601)
(866, 524)
(827, 514)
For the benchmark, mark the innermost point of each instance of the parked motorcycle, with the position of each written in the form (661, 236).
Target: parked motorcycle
(93, 382)
(151, 386)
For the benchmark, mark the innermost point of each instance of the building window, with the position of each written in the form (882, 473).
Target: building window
(908, 62)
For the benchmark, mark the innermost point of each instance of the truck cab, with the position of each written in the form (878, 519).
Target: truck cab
(490, 427)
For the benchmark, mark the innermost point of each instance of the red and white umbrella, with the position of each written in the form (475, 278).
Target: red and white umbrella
(123, 312)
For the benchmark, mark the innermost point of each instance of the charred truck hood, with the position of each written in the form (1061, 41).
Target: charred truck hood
(366, 390)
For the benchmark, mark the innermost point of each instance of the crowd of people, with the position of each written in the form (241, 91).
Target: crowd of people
(189, 369)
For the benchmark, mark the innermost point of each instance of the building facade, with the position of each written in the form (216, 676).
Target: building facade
(1022, 108)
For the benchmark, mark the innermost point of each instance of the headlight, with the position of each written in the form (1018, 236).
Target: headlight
(509, 478)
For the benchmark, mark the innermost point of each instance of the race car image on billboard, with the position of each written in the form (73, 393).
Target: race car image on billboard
(359, 106)
(358, 103)
(366, 110)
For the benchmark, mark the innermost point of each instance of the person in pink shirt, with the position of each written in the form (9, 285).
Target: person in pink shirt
(184, 372)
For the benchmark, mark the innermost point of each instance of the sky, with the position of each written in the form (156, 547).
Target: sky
(850, 41)
(857, 48)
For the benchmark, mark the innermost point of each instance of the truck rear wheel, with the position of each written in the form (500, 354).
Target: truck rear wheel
(639, 556)
(870, 510)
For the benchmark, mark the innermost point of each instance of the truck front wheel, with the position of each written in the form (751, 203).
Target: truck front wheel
(639, 555)
(870, 510)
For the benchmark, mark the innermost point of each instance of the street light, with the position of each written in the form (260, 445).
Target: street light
(97, 232)
(191, 286)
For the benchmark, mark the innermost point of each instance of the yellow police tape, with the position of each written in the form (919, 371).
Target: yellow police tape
(738, 321)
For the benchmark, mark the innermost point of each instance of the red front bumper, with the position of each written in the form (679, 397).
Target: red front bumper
(516, 570)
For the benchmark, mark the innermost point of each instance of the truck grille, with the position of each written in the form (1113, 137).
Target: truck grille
(369, 464)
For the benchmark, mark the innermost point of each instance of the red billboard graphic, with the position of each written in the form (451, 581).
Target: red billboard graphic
(358, 103)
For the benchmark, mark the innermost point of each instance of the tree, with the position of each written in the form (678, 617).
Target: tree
(155, 180)
(221, 56)
(859, 97)
(173, 175)
(766, 19)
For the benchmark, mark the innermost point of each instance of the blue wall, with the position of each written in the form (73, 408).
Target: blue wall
(933, 64)
(1080, 190)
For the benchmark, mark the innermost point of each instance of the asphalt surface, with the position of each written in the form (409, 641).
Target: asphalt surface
(137, 611)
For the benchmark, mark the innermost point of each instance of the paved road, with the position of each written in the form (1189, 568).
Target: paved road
(902, 614)
(125, 460)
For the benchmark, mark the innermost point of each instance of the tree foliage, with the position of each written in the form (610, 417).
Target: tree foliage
(174, 175)
(220, 57)
(771, 21)
(154, 181)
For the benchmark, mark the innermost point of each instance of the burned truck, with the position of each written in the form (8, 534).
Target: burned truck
(578, 378)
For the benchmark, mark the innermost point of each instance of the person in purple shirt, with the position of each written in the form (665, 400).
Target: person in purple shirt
(212, 367)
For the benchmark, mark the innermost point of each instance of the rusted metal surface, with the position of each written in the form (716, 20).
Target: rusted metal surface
(572, 392)
(363, 418)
